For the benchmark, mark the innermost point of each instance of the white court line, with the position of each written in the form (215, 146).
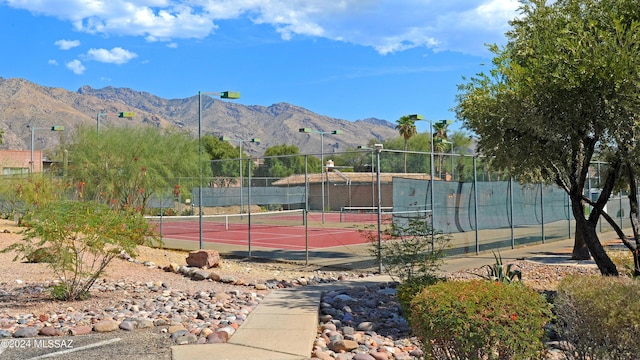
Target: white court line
(63, 352)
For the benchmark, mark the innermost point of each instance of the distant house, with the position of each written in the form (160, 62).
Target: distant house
(16, 162)
(348, 189)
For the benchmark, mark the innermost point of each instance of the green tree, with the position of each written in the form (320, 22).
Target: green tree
(461, 142)
(461, 146)
(563, 87)
(224, 160)
(125, 167)
(441, 142)
(358, 160)
(285, 160)
(406, 126)
(440, 130)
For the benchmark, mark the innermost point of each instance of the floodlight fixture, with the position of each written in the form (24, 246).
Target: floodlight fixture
(230, 95)
(122, 114)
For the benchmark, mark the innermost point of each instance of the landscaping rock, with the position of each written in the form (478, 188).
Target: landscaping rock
(204, 259)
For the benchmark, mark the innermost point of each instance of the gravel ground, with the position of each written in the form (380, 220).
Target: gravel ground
(171, 302)
(126, 284)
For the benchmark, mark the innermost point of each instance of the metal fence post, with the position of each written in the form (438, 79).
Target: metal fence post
(513, 240)
(475, 202)
(306, 211)
(248, 205)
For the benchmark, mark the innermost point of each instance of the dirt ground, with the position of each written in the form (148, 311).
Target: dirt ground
(19, 276)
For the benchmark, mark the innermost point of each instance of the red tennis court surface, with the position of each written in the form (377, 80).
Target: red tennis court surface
(278, 235)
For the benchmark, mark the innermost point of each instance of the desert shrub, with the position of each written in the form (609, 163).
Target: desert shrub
(409, 251)
(19, 194)
(411, 254)
(599, 316)
(623, 259)
(78, 240)
(408, 289)
(480, 320)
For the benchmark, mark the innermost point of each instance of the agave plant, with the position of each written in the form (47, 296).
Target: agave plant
(501, 273)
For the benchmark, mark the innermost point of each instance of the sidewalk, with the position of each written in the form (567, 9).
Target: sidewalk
(284, 325)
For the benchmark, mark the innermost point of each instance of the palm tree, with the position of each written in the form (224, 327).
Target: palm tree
(441, 140)
(407, 128)
(461, 143)
(440, 129)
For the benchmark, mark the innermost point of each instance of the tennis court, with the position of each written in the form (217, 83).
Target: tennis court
(284, 230)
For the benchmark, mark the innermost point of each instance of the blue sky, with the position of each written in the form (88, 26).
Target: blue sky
(348, 59)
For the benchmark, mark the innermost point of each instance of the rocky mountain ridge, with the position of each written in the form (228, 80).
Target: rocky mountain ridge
(25, 104)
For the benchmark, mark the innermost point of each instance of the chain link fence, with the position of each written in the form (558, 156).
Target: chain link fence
(481, 208)
(343, 201)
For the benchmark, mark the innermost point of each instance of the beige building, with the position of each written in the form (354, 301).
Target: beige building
(15, 162)
(348, 189)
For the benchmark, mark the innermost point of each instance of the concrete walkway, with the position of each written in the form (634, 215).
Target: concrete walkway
(284, 325)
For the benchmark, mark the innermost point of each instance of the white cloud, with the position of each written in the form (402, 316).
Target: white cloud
(117, 55)
(76, 66)
(66, 44)
(52, 62)
(385, 25)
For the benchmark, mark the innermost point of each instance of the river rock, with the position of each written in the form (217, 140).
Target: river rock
(107, 325)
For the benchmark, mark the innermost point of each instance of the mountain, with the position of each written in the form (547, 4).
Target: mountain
(24, 103)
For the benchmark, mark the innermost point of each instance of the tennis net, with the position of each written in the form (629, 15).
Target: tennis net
(175, 225)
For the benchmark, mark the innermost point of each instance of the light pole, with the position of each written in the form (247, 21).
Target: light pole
(240, 141)
(222, 95)
(124, 114)
(311, 131)
(33, 130)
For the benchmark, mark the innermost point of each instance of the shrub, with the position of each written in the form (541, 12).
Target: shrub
(411, 253)
(599, 316)
(623, 259)
(78, 241)
(480, 320)
(20, 194)
(408, 289)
